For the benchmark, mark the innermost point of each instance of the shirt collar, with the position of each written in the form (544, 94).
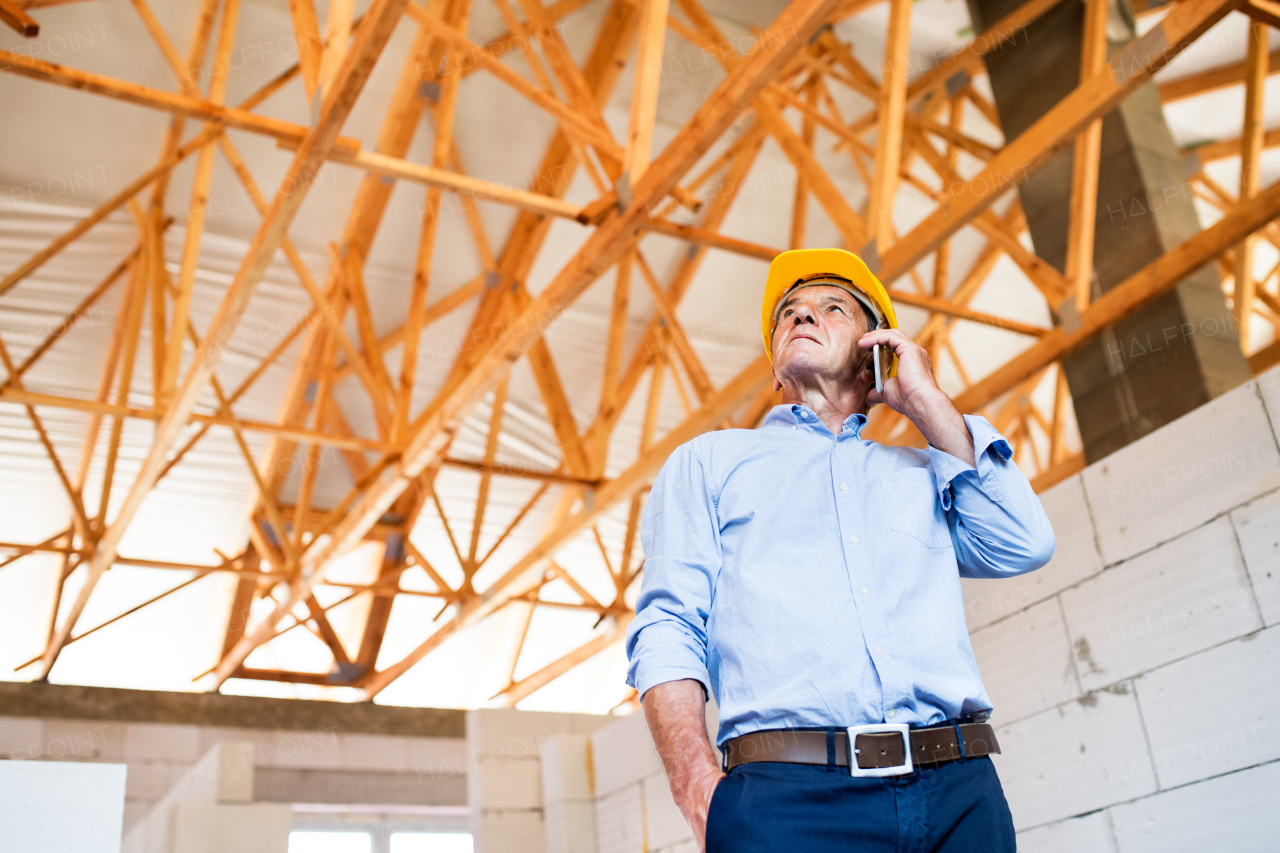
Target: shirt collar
(793, 414)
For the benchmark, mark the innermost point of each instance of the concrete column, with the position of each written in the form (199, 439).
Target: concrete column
(1182, 350)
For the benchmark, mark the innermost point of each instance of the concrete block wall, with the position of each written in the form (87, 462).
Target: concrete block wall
(568, 794)
(1134, 677)
(505, 775)
(325, 764)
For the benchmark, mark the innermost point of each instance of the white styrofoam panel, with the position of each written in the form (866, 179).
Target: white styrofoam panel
(1214, 712)
(1025, 662)
(21, 737)
(1090, 833)
(81, 740)
(375, 752)
(55, 805)
(1075, 557)
(510, 784)
(239, 828)
(1258, 529)
(570, 827)
(1073, 759)
(161, 742)
(566, 769)
(620, 823)
(666, 826)
(510, 832)
(623, 754)
(1210, 460)
(1236, 812)
(1186, 595)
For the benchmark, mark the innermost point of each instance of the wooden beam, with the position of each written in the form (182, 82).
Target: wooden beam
(306, 34)
(1086, 159)
(536, 681)
(892, 113)
(1250, 173)
(157, 99)
(644, 90)
(1019, 158)
(196, 205)
(968, 59)
(17, 20)
(1212, 80)
(713, 239)
(1264, 12)
(1209, 152)
(1139, 289)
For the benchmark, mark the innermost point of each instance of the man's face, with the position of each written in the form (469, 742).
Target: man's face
(817, 334)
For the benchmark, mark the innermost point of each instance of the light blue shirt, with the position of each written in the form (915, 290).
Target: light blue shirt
(816, 577)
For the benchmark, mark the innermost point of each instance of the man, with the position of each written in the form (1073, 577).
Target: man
(815, 576)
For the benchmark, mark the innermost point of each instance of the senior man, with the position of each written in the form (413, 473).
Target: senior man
(810, 579)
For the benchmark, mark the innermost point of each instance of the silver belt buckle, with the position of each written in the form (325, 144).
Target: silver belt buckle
(879, 729)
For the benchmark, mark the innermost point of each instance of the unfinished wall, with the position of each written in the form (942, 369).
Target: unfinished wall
(322, 757)
(1135, 676)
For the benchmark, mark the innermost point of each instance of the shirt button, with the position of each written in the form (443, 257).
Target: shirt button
(890, 713)
(864, 591)
(853, 539)
(878, 649)
(795, 427)
(844, 487)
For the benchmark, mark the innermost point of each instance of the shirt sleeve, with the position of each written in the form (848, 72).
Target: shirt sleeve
(999, 527)
(680, 533)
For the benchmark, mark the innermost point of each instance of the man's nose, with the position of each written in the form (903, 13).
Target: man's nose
(804, 314)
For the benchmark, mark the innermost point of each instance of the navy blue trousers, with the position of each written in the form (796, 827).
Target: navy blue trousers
(958, 807)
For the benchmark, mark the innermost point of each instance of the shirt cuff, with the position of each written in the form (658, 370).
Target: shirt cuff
(643, 678)
(947, 468)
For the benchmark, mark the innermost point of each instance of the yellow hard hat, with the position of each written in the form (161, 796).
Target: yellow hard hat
(832, 267)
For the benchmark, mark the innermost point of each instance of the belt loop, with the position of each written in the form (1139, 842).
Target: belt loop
(724, 756)
(831, 749)
(959, 738)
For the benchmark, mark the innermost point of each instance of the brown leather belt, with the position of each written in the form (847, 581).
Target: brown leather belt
(879, 750)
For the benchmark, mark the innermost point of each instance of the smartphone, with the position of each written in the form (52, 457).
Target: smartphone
(875, 355)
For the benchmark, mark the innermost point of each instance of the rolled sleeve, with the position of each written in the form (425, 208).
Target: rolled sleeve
(986, 441)
(680, 534)
(1000, 528)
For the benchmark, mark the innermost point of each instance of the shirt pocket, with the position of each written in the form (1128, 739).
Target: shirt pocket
(912, 505)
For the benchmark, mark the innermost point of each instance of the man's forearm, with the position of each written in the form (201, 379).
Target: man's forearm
(944, 428)
(676, 714)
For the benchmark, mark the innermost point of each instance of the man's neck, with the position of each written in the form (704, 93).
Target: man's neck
(833, 405)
